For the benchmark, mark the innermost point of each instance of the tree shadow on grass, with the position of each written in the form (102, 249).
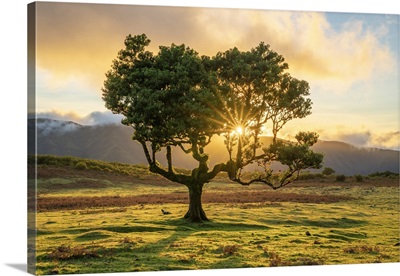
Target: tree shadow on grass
(170, 252)
(115, 229)
(324, 223)
(173, 252)
(184, 225)
(155, 256)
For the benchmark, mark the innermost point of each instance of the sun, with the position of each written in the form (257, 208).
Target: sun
(239, 130)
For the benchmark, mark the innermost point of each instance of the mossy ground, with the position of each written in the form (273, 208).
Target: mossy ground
(363, 228)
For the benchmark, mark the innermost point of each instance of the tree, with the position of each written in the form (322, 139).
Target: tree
(328, 171)
(177, 100)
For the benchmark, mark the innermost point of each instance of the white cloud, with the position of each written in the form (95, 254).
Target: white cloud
(93, 118)
(390, 140)
(360, 139)
(364, 138)
(102, 118)
(314, 50)
(346, 59)
(61, 127)
(360, 136)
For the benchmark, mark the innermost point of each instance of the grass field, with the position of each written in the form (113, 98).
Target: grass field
(94, 219)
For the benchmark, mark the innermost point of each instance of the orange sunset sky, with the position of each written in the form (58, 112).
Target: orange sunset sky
(351, 60)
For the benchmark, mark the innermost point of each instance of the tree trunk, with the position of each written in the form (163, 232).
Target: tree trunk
(195, 212)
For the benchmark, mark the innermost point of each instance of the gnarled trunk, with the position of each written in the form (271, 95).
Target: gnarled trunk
(195, 212)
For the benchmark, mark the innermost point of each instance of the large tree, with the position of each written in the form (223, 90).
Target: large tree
(177, 100)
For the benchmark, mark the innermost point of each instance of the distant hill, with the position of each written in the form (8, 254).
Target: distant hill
(347, 159)
(105, 142)
(113, 143)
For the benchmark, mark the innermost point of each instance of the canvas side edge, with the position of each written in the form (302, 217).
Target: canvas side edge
(31, 133)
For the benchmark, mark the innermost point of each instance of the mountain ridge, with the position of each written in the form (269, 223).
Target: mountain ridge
(111, 142)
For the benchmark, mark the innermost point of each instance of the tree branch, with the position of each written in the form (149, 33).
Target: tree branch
(170, 175)
(146, 152)
(169, 158)
(197, 155)
(259, 180)
(282, 183)
(185, 150)
(222, 167)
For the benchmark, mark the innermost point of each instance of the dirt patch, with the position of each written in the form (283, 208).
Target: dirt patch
(70, 203)
(258, 196)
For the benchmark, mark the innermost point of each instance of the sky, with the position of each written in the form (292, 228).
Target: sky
(350, 60)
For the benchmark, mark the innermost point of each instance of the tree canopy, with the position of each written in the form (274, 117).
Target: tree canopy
(179, 100)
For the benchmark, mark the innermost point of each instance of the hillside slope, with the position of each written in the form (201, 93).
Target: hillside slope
(114, 143)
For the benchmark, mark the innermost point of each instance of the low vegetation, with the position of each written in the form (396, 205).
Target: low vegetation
(141, 170)
(385, 174)
(341, 178)
(77, 163)
(99, 218)
(88, 164)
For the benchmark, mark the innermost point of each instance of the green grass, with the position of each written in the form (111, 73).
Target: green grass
(83, 164)
(138, 237)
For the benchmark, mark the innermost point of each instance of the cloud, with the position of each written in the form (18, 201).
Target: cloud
(103, 118)
(63, 123)
(76, 44)
(360, 139)
(93, 118)
(390, 140)
(314, 50)
(82, 39)
(61, 127)
(365, 138)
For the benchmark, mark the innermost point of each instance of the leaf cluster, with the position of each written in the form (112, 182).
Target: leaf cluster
(163, 97)
(176, 99)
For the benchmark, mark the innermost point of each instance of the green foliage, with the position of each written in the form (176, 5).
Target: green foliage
(51, 160)
(386, 174)
(165, 96)
(81, 165)
(341, 178)
(297, 155)
(328, 171)
(176, 98)
(310, 176)
(359, 178)
(89, 164)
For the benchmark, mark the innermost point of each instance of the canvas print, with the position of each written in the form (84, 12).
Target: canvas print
(181, 138)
